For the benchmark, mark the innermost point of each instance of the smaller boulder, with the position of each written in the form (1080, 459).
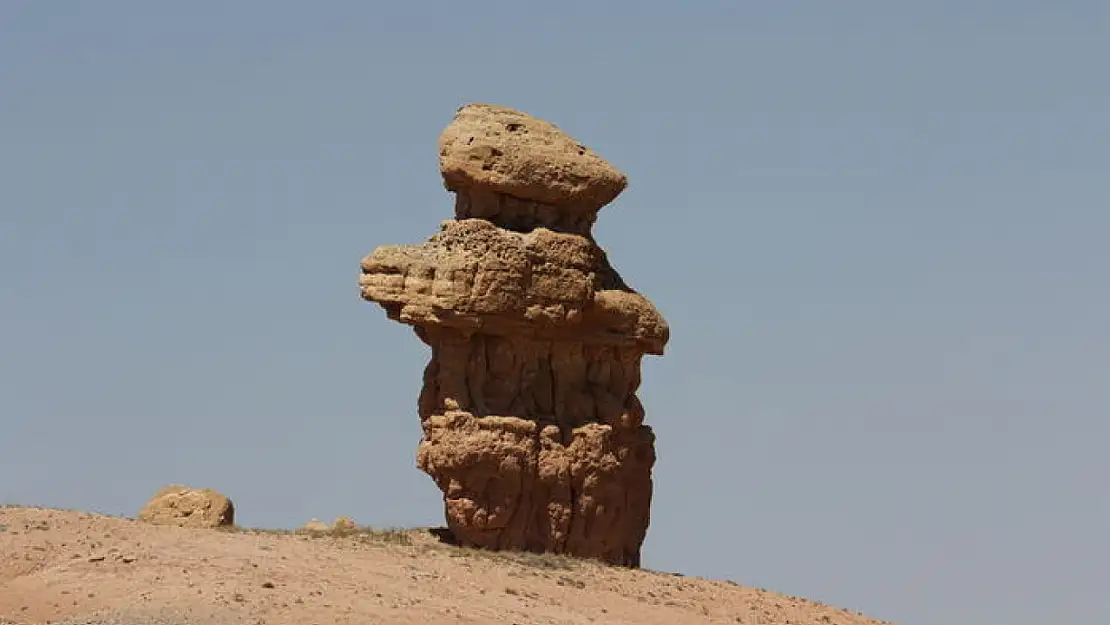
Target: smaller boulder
(315, 525)
(341, 525)
(344, 524)
(188, 507)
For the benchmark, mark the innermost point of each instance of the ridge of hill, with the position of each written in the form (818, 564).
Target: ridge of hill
(69, 568)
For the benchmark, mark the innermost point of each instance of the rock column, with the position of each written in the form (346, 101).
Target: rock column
(531, 424)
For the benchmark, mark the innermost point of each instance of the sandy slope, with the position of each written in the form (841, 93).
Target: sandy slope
(73, 567)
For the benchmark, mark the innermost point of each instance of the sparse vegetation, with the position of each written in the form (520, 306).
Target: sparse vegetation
(391, 536)
(387, 572)
(426, 539)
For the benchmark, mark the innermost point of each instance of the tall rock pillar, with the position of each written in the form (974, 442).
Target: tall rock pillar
(531, 424)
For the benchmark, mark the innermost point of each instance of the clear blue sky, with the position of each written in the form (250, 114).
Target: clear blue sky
(878, 230)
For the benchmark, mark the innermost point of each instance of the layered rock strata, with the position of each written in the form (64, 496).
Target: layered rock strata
(531, 424)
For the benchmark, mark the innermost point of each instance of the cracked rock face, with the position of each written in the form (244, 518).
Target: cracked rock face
(532, 428)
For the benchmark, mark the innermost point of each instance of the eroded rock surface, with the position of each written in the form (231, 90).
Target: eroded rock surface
(532, 428)
(188, 507)
(521, 172)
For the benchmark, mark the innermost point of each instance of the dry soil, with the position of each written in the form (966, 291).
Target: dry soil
(72, 567)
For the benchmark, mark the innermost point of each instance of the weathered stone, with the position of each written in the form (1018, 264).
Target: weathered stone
(514, 170)
(344, 524)
(539, 283)
(341, 525)
(315, 525)
(532, 428)
(188, 507)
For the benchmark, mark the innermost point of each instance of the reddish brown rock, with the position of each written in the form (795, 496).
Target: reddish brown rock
(532, 427)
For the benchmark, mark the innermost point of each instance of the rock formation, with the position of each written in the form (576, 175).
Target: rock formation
(315, 525)
(341, 525)
(531, 424)
(188, 507)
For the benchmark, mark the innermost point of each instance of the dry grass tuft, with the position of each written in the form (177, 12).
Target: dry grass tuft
(362, 533)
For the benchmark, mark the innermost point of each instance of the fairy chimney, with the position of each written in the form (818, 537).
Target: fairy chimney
(531, 424)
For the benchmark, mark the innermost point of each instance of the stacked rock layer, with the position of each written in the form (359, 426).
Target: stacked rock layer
(531, 424)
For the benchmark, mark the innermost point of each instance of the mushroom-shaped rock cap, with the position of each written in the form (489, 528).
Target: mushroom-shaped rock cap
(489, 148)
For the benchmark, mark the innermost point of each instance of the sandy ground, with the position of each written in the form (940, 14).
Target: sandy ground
(72, 567)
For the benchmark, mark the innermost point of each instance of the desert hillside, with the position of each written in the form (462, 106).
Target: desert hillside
(72, 567)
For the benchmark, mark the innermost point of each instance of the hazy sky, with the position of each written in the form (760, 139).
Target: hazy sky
(878, 231)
